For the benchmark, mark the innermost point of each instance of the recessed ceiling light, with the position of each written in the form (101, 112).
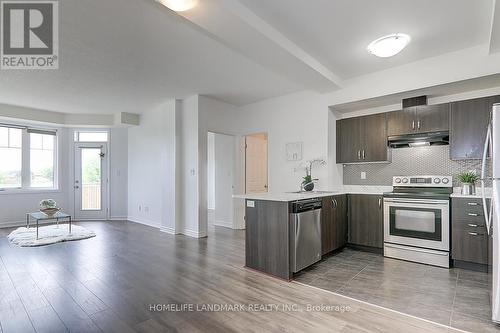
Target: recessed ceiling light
(179, 5)
(389, 45)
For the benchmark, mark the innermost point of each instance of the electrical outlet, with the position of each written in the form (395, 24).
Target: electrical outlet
(363, 175)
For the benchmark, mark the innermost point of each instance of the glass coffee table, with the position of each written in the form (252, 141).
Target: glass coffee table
(39, 216)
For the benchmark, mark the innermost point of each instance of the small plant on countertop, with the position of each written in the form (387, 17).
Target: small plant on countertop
(307, 180)
(468, 177)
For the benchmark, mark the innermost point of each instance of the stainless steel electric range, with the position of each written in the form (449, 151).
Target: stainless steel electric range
(417, 219)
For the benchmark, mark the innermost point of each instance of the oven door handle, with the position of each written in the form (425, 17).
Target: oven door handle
(416, 202)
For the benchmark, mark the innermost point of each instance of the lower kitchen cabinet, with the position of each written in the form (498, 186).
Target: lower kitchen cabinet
(333, 223)
(469, 237)
(366, 220)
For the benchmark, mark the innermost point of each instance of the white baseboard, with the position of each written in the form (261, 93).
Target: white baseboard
(226, 224)
(144, 221)
(11, 224)
(192, 233)
(168, 230)
(118, 218)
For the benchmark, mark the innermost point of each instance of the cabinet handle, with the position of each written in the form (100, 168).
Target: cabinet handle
(473, 214)
(334, 202)
(472, 225)
(413, 125)
(472, 203)
(364, 155)
(379, 203)
(359, 154)
(474, 234)
(418, 124)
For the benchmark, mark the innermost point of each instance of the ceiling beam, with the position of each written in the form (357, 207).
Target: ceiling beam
(236, 26)
(495, 28)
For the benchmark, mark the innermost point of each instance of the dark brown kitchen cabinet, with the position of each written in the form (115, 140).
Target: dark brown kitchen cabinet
(349, 140)
(333, 223)
(401, 122)
(362, 139)
(365, 220)
(469, 237)
(419, 119)
(433, 118)
(469, 121)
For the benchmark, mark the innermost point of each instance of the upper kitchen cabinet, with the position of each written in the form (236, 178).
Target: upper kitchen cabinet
(362, 139)
(418, 119)
(433, 118)
(401, 122)
(469, 121)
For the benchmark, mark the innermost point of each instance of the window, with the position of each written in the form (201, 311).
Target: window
(28, 158)
(42, 159)
(11, 155)
(95, 136)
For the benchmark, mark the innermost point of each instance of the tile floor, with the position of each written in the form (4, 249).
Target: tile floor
(455, 297)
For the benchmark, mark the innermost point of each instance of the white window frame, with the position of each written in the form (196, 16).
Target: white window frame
(26, 165)
(76, 134)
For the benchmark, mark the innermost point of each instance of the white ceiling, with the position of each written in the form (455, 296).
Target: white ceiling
(133, 55)
(337, 32)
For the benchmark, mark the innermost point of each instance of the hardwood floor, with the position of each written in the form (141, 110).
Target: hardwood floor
(110, 282)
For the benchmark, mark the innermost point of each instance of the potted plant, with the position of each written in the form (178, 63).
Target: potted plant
(468, 180)
(48, 207)
(307, 181)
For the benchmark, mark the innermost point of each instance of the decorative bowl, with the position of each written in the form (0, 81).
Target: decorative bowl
(49, 211)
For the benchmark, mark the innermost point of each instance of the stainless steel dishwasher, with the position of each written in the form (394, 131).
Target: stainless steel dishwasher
(305, 233)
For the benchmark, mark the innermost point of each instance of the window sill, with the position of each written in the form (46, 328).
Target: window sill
(29, 191)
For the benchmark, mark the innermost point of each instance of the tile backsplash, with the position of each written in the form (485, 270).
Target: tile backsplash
(432, 160)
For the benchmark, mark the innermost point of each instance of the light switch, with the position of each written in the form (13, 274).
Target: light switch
(363, 175)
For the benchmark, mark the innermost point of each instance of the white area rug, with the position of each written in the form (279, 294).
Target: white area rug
(48, 235)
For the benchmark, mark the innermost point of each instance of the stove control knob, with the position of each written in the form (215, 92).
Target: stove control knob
(446, 180)
(397, 180)
(405, 180)
(437, 180)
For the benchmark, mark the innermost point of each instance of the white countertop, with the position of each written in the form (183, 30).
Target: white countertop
(457, 194)
(291, 196)
(285, 196)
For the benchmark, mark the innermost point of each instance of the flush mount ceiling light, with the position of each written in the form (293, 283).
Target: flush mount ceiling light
(179, 5)
(389, 45)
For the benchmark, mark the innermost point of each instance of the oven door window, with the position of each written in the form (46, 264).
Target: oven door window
(422, 223)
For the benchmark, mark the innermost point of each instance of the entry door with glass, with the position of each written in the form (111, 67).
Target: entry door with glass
(91, 165)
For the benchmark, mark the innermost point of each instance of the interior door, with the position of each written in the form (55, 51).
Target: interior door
(91, 181)
(256, 163)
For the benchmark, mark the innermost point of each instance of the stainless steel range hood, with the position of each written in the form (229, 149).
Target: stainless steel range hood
(421, 139)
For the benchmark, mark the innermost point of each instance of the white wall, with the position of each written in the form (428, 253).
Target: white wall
(193, 206)
(118, 173)
(211, 171)
(151, 168)
(225, 147)
(300, 117)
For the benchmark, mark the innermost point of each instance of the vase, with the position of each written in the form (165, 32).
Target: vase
(468, 189)
(308, 186)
